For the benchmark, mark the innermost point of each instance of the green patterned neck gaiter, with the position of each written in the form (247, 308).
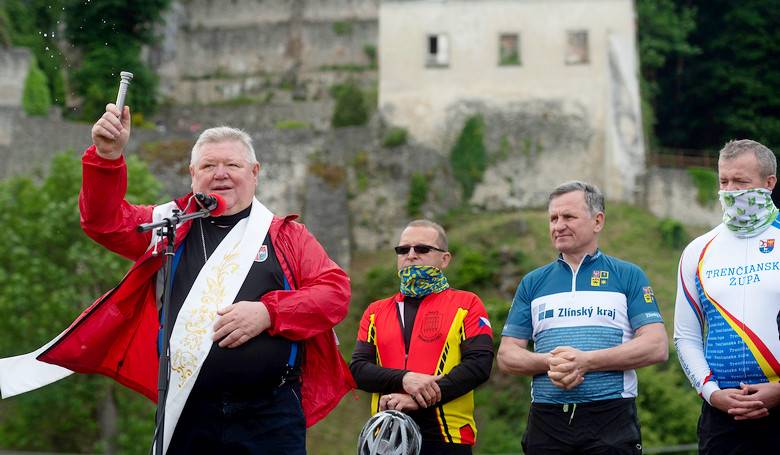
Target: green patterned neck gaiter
(421, 280)
(747, 213)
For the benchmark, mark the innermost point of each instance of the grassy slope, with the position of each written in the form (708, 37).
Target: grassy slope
(512, 244)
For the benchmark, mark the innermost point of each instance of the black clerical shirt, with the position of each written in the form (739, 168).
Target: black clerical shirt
(260, 363)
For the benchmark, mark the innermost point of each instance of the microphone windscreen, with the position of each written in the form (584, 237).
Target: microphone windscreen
(221, 207)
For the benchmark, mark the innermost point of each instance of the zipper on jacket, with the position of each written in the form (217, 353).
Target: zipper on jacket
(402, 325)
(574, 274)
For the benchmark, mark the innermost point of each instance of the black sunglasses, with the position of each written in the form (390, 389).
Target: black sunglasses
(419, 249)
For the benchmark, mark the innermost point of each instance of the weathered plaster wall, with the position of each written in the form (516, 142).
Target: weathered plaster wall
(14, 65)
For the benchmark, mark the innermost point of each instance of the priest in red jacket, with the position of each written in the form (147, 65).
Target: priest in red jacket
(254, 360)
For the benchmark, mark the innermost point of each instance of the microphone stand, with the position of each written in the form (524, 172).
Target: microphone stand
(166, 228)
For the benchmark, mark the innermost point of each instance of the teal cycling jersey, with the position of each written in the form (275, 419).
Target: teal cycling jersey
(728, 297)
(599, 306)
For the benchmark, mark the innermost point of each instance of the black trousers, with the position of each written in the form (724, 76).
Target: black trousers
(598, 427)
(271, 423)
(720, 434)
(443, 448)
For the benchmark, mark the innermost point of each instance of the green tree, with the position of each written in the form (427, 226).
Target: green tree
(395, 137)
(418, 194)
(36, 98)
(112, 22)
(111, 33)
(664, 29)
(350, 108)
(471, 268)
(706, 182)
(668, 406)
(5, 29)
(34, 24)
(729, 89)
(468, 157)
(98, 78)
(673, 233)
(50, 272)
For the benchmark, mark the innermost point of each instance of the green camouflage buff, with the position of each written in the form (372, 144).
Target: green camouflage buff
(421, 280)
(747, 213)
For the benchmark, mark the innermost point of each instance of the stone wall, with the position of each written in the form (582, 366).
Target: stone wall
(315, 114)
(210, 53)
(265, 48)
(211, 13)
(531, 147)
(14, 66)
(671, 193)
(28, 143)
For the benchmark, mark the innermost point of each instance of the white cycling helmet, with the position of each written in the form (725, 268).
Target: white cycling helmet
(390, 433)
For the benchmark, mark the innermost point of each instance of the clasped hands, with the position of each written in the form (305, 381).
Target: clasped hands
(567, 367)
(750, 401)
(420, 391)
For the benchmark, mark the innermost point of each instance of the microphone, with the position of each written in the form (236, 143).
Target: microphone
(213, 203)
(210, 205)
(125, 77)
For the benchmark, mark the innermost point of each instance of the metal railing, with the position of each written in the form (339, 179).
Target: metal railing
(682, 448)
(682, 158)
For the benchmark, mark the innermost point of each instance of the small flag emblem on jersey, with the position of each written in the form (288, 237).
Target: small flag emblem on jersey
(262, 255)
(647, 291)
(599, 277)
(767, 245)
(483, 321)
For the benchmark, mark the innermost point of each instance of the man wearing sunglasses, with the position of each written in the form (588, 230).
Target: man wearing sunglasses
(424, 350)
(593, 319)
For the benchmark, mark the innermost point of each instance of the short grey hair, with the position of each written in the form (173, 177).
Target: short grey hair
(593, 196)
(767, 162)
(221, 134)
(442, 235)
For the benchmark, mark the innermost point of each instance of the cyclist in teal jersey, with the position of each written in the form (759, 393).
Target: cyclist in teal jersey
(593, 319)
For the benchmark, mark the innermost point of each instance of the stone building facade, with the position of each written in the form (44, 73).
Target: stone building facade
(556, 81)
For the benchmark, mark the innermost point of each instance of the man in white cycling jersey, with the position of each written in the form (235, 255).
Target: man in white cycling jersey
(728, 298)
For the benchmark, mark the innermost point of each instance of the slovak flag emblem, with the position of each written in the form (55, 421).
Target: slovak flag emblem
(767, 245)
(262, 255)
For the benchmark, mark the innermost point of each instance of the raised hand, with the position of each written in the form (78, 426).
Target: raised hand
(110, 134)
